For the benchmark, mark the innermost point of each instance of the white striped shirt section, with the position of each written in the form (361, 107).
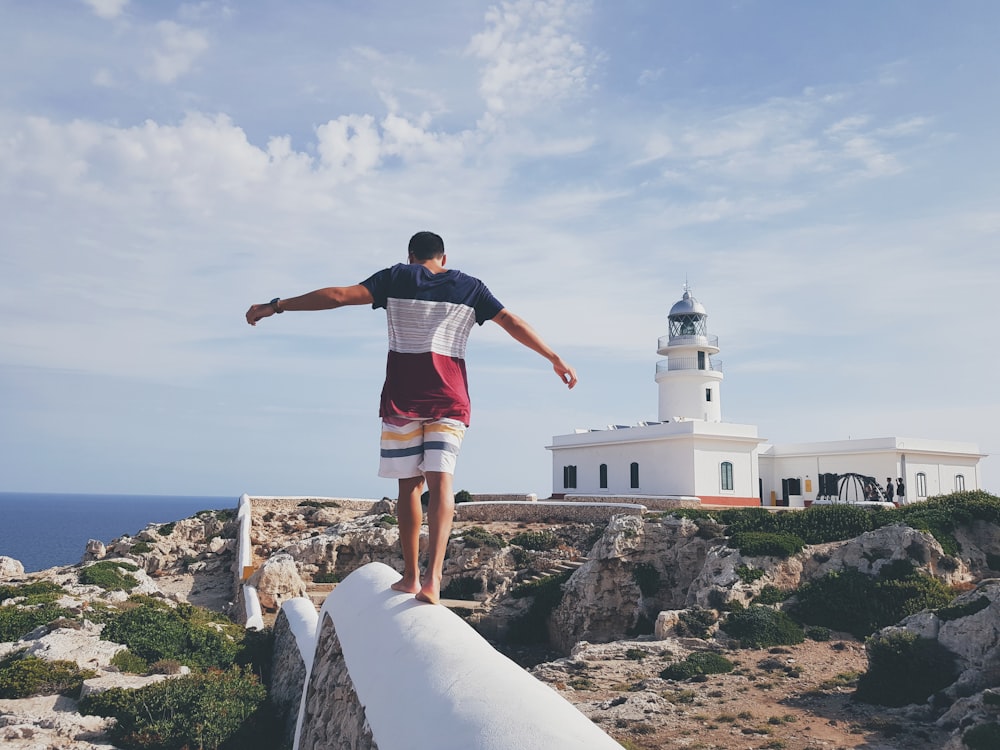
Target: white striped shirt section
(420, 326)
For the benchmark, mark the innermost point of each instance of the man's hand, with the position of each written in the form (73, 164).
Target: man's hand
(258, 312)
(566, 373)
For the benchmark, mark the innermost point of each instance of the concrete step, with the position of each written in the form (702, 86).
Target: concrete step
(562, 566)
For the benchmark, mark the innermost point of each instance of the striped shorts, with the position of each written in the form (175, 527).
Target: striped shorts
(411, 448)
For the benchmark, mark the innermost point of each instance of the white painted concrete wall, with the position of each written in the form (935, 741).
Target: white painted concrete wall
(427, 679)
(682, 394)
(677, 458)
(880, 458)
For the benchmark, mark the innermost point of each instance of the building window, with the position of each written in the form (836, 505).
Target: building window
(701, 360)
(634, 475)
(959, 483)
(569, 477)
(726, 476)
(603, 472)
(708, 394)
(921, 485)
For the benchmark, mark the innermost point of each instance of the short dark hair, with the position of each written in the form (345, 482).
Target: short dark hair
(426, 245)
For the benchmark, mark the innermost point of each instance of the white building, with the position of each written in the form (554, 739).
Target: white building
(691, 452)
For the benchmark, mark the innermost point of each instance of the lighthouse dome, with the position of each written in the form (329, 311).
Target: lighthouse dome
(687, 305)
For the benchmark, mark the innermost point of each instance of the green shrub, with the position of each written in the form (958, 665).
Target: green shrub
(126, 661)
(319, 504)
(903, 669)
(388, 520)
(535, 540)
(326, 577)
(463, 496)
(17, 621)
(167, 529)
(520, 556)
(647, 578)
(191, 635)
(763, 627)
(749, 519)
(109, 576)
(958, 611)
(941, 515)
(982, 737)
(766, 543)
(698, 663)
(36, 592)
(139, 547)
(477, 536)
(695, 622)
(818, 633)
(194, 711)
(831, 523)
(165, 666)
(747, 574)
(859, 604)
(771, 595)
(25, 676)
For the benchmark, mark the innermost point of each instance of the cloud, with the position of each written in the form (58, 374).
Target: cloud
(781, 141)
(180, 47)
(531, 56)
(108, 9)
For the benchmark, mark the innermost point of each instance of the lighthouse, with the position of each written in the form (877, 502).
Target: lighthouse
(688, 379)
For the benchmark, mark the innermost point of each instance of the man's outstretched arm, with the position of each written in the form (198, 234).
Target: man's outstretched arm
(520, 331)
(321, 299)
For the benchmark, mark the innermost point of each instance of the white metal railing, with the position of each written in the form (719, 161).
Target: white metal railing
(688, 363)
(665, 341)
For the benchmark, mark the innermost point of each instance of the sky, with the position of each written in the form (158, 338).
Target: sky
(822, 175)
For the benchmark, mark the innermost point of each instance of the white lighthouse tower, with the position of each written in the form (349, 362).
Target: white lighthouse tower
(689, 383)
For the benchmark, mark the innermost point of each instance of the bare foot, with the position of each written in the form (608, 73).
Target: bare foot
(430, 591)
(406, 586)
(428, 598)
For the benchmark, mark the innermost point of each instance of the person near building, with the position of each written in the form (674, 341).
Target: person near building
(425, 406)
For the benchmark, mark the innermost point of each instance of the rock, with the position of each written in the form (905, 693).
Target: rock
(50, 722)
(10, 568)
(666, 623)
(970, 628)
(383, 507)
(347, 546)
(81, 646)
(276, 581)
(216, 544)
(96, 550)
(603, 600)
(108, 680)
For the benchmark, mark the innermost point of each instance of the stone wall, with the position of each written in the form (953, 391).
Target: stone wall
(333, 717)
(288, 678)
(544, 512)
(650, 502)
(264, 504)
(504, 498)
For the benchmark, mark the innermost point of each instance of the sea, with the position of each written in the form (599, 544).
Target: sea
(45, 530)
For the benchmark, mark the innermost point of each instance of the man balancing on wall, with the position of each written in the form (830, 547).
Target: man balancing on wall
(425, 399)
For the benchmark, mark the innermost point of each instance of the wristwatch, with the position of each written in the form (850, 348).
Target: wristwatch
(274, 305)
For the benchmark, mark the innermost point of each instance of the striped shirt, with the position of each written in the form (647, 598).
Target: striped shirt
(429, 317)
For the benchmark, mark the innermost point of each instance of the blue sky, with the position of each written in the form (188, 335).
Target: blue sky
(822, 174)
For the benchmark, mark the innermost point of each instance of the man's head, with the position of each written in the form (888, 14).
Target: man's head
(426, 246)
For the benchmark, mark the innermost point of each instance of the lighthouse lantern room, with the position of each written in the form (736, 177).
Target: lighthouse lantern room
(689, 378)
